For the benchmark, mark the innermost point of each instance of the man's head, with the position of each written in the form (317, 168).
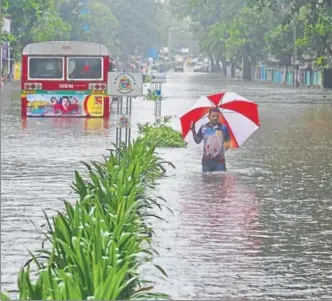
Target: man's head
(214, 116)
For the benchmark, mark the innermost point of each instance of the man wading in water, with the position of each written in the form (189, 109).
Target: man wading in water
(216, 141)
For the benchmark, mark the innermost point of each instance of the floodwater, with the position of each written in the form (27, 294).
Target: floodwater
(261, 230)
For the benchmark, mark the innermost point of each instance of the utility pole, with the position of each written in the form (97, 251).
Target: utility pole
(1, 39)
(296, 62)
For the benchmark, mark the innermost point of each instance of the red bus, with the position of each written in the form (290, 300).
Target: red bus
(62, 78)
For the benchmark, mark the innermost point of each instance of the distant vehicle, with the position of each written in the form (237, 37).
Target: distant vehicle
(179, 67)
(201, 67)
(154, 68)
(178, 58)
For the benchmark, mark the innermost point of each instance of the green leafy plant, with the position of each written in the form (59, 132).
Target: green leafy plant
(161, 134)
(4, 296)
(147, 79)
(99, 244)
(152, 95)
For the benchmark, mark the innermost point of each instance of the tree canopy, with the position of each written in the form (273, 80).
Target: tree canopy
(248, 31)
(124, 26)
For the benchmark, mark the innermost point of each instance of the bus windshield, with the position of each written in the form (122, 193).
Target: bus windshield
(84, 68)
(45, 68)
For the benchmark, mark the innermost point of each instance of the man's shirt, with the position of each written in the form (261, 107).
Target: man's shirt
(213, 137)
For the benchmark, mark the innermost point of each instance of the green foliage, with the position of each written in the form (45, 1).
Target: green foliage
(4, 297)
(161, 134)
(314, 19)
(138, 29)
(100, 243)
(152, 95)
(147, 79)
(124, 26)
(251, 31)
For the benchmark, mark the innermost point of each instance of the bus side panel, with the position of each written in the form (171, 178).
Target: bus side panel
(106, 67)
(107, 107)
(24, 78)
(24, 105)
(24, 71)
(107, 99)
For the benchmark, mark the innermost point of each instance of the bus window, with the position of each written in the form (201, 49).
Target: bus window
(45, 68)
(85, 68)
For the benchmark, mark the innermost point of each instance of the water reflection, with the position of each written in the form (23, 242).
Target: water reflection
(85, 125)
(223, 204)
(220, 215)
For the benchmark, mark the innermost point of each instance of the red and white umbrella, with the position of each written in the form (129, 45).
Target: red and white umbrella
(238, 113)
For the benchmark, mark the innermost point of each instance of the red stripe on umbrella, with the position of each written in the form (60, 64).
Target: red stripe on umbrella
(216, 98)
(247, 109)
(192, 116)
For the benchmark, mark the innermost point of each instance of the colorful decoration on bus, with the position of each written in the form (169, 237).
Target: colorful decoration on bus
(66, 103)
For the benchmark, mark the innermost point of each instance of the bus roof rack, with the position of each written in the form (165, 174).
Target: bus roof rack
(65, 48)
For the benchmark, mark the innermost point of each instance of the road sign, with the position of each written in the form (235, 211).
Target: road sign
(125, 84)
(153, 53)
(86, 27)
(123, 121)
(158, 78)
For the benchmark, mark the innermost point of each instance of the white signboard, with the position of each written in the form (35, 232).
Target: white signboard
(158, 78)
(164, 50)
(125, 84)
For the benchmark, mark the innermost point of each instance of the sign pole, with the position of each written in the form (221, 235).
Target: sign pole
(128, 113)
(124, 85)
(157, 104)
(160, 102)
(157, 80)
(118, 128)
(123, 131)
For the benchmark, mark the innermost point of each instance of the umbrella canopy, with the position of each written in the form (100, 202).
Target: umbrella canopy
(238, 113)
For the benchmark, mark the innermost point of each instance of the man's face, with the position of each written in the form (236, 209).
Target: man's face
(214, 117)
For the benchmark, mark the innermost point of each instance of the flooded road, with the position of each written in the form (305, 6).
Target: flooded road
(262, 230)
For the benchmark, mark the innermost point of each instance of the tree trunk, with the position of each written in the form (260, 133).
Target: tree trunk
(253, 67)
(285, 77)
(224, 66)
(233, 65)
(213, 67)
(246, 64)
(218, 69)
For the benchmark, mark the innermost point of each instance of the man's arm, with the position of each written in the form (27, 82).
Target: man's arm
(198, 137)
(227, 138)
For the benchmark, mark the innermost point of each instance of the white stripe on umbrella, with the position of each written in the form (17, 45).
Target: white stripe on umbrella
(201, 122)
(231, 96)
(241, 126)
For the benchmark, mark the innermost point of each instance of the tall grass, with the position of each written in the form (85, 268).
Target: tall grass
(99, 244)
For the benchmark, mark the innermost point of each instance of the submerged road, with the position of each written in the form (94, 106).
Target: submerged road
(262, 230)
